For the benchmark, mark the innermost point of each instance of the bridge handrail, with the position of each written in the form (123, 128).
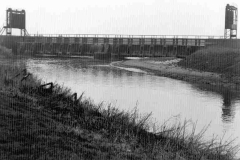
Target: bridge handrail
(129, 36)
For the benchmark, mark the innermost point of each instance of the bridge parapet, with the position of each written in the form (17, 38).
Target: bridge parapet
(118, 40)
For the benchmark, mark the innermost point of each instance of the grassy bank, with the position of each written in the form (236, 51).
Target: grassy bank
(50, 123)
(5, 53)
(221, 60)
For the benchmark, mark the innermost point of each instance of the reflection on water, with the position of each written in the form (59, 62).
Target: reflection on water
(162, 96)
(228, 108)
(230, 101)
(227, 99)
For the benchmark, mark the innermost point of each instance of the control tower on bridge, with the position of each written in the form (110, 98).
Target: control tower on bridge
(15, 19)
(231, 18)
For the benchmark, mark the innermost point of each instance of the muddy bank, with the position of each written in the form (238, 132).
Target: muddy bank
(168, 67)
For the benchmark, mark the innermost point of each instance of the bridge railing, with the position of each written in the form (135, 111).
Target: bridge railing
(129, 36)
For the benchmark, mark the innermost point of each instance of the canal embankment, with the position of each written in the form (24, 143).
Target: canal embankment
(54, 123)
(213, 66)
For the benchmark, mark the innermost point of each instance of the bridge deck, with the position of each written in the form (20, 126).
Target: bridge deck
(140, 45)
(181, 40)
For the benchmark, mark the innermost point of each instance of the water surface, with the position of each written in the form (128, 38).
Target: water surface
(163, 97)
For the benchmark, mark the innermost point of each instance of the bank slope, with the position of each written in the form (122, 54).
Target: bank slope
(221, 60)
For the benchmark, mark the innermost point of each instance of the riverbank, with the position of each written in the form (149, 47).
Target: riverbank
(54, 123)
(169, 67)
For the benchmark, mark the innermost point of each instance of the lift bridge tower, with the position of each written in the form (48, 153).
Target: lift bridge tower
(15, 19)
(231, 18)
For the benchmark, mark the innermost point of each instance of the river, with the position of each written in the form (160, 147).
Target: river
(165, 98)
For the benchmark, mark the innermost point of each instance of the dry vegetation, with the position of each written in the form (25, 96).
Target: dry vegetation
(50, 124)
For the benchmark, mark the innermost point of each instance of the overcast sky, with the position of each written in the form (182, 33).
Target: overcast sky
(133, 17)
